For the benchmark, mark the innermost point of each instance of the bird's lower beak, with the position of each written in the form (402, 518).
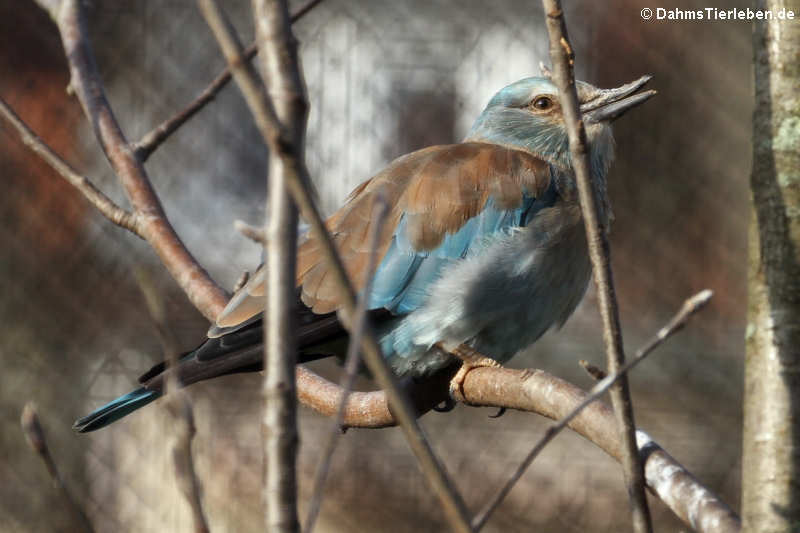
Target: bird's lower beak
(610, 104)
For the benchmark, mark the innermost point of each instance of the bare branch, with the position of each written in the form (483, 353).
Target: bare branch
(251, 232)
(103, 203)
(538, 392)
(152, 222)
(596, 372)
(177, 405)
(599, 252)
(34, 434)
(298, 183)
(379, 213)
(286, 91)
(144, 147)
(689, 308)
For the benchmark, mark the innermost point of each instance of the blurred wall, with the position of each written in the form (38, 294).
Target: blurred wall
(384, 78)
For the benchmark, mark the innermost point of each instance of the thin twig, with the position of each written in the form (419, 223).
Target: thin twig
(177, 405)
(152, 222)
(253, 233)
(34, 434)
(596, 235)
(144, 147)
(689, 308)
(103, 203)
(299, 187)
(379, 213)
(596, 372)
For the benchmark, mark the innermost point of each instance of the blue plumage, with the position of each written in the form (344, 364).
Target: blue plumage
(113, 411)
(484, 246)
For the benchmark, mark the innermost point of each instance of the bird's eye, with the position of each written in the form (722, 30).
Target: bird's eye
(542, 103)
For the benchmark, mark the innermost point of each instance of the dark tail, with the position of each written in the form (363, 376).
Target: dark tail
(115, 410)
(237, 350)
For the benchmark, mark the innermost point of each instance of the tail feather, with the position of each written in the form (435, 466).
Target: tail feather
(115, 410)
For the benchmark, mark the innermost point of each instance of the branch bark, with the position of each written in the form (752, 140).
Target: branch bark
(599, 251)
(538, 392)
(150, 221)
(149, 143)
(286, 91)
(95, 196)
(771, 454)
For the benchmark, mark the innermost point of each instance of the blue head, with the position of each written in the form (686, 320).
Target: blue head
(527, 115)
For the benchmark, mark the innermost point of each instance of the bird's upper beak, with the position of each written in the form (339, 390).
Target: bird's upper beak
(609, 104)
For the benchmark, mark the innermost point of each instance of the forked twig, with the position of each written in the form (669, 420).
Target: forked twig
(689, 308)
(95, 196)
(152, 222)
(144, 147)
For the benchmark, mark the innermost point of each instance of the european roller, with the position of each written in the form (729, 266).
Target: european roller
(483, 246)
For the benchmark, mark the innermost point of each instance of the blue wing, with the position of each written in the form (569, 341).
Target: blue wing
(404, 275)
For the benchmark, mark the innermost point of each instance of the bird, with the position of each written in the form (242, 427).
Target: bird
(482, 246)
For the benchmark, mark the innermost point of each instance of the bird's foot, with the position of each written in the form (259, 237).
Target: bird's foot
(470, 359)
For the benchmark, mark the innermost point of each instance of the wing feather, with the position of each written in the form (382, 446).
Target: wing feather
(441, 199)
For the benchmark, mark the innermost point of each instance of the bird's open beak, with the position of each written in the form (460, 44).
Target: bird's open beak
(610, 104)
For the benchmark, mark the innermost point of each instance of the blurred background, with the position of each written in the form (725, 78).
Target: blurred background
(385, 77)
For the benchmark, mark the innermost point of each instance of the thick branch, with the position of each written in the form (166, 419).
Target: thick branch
(152, 222)
(599, 252)
(538, 392)
(771, 453)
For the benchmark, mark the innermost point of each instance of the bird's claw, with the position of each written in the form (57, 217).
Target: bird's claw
(446, 406)
(471, 359)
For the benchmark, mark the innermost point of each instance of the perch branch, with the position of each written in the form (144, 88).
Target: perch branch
(151, 220)
(298, 184)
(103, 203)
(596, 235)
(538, 392)
(689, 308)
(144, 147)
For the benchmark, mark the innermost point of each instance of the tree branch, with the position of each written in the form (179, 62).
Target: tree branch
(144, 147)
(599, 252)
(538, 392)
(95, 196)
(298, 183)
(286, 92)
(152, 222)
(689, 308)
(34, 434)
